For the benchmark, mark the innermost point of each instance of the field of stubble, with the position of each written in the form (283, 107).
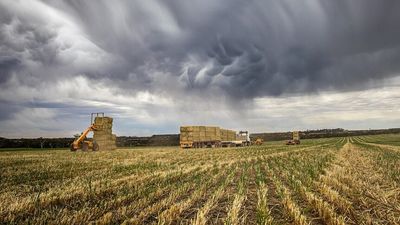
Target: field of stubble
(325, 181)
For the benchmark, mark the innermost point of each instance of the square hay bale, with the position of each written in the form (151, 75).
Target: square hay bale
(223, 134)
(101, 139)
(195, 138)
(210, 129)
(103, 120)
(184, 138)
(231, 135)
(103, 136)
(101, 129)
(203, 133)
(186, 128)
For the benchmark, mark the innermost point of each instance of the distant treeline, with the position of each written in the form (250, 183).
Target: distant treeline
(173, 139)
(324, 133)
(36, 142)
(122, 141)
(155, 140)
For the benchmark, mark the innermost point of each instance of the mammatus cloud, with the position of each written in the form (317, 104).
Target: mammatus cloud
(200, 60)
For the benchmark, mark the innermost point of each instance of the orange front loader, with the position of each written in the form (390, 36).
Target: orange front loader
(81, 142)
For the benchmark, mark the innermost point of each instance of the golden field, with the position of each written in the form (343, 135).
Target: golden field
(322, 181)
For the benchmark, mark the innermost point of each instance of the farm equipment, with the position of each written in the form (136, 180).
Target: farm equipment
(211, 137)
(243, 138)
(200, 137)
(81, 143)
(295, 139)
(258, 141)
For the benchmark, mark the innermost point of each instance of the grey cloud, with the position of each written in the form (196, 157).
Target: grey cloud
(8, 109)
(8, 65)
(197, 49)
(258, 48)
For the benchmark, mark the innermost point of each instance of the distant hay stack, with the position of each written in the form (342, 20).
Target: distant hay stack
(103, 135)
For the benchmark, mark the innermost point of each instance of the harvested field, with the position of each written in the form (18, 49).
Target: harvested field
(322, 181)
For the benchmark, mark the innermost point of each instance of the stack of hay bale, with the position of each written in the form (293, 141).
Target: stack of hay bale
(231, 135)
(103, 136)
(224, 134)
(228, 135)
(213, 134)
(186, 134)
(199, 133)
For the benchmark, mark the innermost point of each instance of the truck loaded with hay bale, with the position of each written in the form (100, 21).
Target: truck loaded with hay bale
(227, 137)
(103, 138)
(199, 136)
(209, 136)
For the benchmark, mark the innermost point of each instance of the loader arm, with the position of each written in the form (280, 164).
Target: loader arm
(75, 144)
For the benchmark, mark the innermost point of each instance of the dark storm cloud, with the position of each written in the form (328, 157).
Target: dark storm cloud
(8, 65)
(240, 49)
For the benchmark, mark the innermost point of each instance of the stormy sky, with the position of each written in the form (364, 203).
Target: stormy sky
(259, 65)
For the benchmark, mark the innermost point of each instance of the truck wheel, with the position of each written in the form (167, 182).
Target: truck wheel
(85, 146)
(72, 148)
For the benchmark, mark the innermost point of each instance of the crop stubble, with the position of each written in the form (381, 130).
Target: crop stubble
(324, 181)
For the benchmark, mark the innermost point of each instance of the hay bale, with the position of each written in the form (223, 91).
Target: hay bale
(186, 128)
(103, 135)
(200, 133)
(103, 120)
(101, 138)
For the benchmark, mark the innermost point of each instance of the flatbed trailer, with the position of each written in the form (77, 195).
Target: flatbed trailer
(199, 136)
(235, 143)
(200, 144)
(211, 137)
